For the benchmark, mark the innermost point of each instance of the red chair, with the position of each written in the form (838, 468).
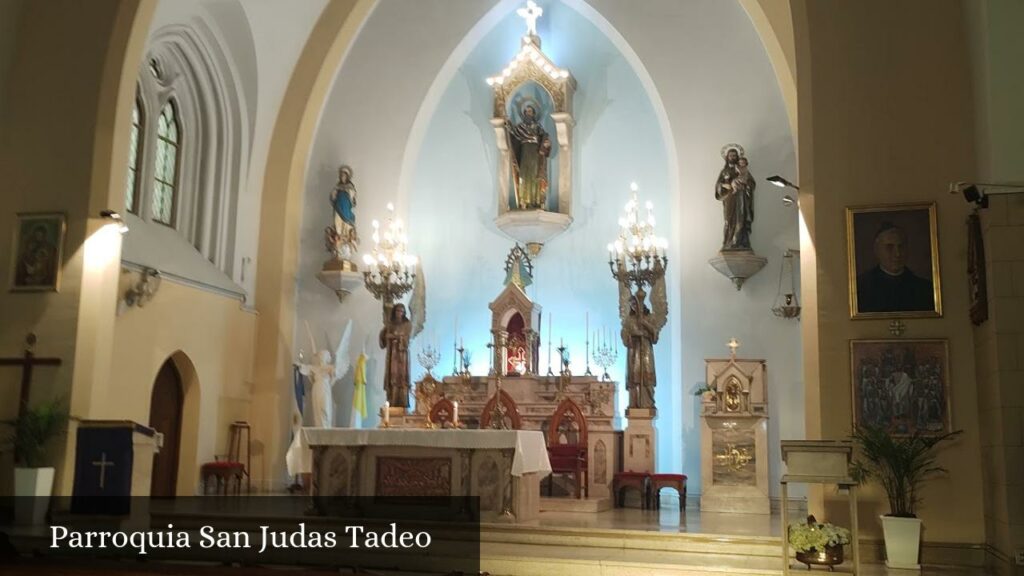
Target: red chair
(567, 446)
(659, 481)
(501, 413)
(639, 480)
(442, 413)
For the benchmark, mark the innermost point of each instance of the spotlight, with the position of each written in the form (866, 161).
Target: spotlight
(977, 193)
(788, 201)
(782, 182)
(974, 196)
(116, 218)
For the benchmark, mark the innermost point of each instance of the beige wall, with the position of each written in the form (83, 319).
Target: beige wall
(211, 338)
(891, 122)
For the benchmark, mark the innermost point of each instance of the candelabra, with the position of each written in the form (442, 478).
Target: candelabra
(605, 355)
(390, 269)
(429, 357)
(637, 256)
(465, 358)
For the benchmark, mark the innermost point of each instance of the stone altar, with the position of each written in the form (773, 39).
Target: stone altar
(536, 397)
(502, 467)
(734, 437)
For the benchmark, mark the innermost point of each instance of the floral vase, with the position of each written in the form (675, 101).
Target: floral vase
(830, 556)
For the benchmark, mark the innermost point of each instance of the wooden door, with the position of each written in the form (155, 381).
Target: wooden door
(165, 416)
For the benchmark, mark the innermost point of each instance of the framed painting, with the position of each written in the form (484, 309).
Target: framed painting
(38, 252)
(893, 255)
(901, 385)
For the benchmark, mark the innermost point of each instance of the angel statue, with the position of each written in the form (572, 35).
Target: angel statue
(322, 373)
(394, 338)
(640, 329)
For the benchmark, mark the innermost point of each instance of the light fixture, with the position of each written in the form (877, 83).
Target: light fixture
(788, 201)
(116, 218)
(782, 182)
(977, 193)
(390, 269)
(637, 256)
(787, 304)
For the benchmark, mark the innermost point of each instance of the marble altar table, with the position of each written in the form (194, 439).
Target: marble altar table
(501, 467)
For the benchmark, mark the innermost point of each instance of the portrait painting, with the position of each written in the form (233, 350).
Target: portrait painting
(893, 258)
(901, 385)
(38, 250)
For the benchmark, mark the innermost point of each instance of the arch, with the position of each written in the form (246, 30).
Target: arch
(568, 414)
(188, 450)
(508, 411)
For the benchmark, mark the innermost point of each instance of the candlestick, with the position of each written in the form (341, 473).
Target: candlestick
(455, 414)
(586, 350)
(550, 373)
(386, 414)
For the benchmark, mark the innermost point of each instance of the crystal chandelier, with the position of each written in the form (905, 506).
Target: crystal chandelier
(637, 256)
(390, 269)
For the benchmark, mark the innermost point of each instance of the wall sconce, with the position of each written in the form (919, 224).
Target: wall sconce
(977, 193)
(116, 218)
(145, 289)
(787, 200)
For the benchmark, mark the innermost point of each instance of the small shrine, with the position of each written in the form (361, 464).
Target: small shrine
(533, 125)
(515, 320)
(734, 436)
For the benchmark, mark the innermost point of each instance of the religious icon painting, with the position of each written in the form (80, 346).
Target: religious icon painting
(38, 252)
(901, 385)
(893, 255)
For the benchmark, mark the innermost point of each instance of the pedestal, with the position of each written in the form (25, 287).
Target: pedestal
(738, 265)
(639, 440)
(341, 276)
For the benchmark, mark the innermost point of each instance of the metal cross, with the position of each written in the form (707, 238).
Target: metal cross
(733, 345)
(530, 14)
(102, 463)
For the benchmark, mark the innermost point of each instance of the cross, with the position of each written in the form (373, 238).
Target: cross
(530, 14)
(102, 463)
(27, 362)
(733, 345)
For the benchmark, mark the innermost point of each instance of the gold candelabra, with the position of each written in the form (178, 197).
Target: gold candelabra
(637, 256)
(390, 269)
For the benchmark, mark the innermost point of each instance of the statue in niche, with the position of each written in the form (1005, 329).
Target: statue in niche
(394, 338)
(640, 329)
(341, 239)
(735, 188)
(531, 149)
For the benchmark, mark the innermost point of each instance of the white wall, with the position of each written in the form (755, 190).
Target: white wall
(660, 91)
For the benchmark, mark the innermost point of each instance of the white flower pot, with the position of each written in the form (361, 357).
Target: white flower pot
(902, 542)
(32, 488)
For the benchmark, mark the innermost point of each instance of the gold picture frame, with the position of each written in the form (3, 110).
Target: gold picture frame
(37, 260)
(901, 385)
(889, 274)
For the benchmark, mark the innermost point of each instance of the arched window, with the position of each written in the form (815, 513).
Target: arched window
(165, 176)
(131, 191)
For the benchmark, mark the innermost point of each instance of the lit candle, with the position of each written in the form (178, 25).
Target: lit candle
(455, 413)
(386, 413)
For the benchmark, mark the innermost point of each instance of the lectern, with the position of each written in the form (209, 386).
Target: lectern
(818, 462)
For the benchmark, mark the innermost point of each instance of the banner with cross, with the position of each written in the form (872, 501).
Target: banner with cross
(103, 470)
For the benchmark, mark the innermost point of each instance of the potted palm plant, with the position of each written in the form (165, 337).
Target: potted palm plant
(33, 431)
(901, 464)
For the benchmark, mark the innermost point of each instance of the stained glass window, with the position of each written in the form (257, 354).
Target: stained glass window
(165, 180)
(131, 190)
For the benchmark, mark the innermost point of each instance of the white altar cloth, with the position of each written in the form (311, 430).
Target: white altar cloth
(531, 453)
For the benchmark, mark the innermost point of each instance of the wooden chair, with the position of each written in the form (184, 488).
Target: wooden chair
(567, 446)
(442, 413)
(659, 481)
(501, 413)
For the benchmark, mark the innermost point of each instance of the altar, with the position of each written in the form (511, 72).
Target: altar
(503, 468)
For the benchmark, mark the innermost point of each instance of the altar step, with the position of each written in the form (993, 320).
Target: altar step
(590, 505)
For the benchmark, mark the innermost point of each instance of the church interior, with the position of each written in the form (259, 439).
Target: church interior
(651, 282)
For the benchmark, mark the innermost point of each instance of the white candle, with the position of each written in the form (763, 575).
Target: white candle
(386, 412)
(455, 413)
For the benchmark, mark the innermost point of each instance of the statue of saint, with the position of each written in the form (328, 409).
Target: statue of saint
(342, 240)
(735, 188)
(394, 338)
(531, 148)
(640, 329)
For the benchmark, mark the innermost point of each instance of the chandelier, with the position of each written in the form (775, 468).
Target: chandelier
(637, 256)
(390, 269)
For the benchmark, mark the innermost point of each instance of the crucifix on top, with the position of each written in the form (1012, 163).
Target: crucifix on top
(532, 120)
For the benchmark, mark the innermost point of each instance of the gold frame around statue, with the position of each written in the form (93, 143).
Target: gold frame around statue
(862, 349)
(910, 218)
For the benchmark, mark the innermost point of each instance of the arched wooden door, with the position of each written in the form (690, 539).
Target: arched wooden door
(165, 416)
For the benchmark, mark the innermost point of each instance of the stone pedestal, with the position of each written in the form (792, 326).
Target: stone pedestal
(734, 438)
(738, 265)
(639, 440)
(341, 276)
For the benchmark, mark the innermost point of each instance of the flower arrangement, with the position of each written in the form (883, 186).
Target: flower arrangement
(703, 389)
(816, 536)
